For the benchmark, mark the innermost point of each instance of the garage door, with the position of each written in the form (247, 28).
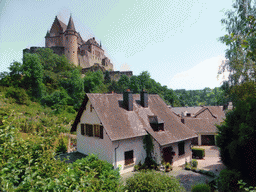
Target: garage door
(208, 140)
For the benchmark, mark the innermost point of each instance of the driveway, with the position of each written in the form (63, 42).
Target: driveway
(211, 162)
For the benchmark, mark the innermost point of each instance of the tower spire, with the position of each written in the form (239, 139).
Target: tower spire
(71, 25)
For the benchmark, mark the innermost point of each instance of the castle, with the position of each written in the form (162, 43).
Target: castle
(64, 39)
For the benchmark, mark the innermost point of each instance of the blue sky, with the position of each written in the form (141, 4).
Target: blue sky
(176, 41)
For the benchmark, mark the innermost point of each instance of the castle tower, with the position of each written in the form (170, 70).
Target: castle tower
(71, 42)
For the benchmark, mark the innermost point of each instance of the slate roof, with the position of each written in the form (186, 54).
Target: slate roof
(200, 125)
(63, 25)
(71, 25)
(122, 124)
(93, 42)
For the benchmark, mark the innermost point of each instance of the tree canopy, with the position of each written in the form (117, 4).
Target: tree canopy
(240, 38)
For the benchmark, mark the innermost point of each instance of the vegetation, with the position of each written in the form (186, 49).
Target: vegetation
(194, 163)
(198, 153)
(29, 165)
(152, 181)
(237, 135)
(240, 26)
(229, 180)
(201, 188)
(207, 96)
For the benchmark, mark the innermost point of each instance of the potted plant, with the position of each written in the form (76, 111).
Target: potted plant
(167, 167)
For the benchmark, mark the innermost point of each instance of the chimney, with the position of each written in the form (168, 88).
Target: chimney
(128, 100)
(183, 120)
(144, 98)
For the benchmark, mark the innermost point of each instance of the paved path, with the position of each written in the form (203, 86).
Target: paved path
(211, 162)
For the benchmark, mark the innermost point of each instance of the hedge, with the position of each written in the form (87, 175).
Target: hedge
(198, 153)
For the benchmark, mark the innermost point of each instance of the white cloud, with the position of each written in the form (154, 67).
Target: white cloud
(202, 75)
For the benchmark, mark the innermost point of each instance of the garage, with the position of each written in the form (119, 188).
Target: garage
(208, 140)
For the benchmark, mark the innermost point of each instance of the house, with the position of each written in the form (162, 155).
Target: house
(186, 111)
(113, 127)
(202, 121)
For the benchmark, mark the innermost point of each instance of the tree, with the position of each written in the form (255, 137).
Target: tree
(123, 83)
(107, 78)
(240, 25)
(93, 82)
(237, 137)
(134, 84)
(32, 70)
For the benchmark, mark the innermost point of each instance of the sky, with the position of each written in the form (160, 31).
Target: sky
(176, 41)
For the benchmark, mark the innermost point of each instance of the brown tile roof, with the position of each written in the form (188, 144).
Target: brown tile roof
(216, 111)
(179, 110)
(200, 125)
(122, 124)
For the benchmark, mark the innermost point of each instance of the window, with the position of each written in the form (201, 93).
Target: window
(82, 129)
(181, 146)
(91, 108)
(128, 157)
(89, 130)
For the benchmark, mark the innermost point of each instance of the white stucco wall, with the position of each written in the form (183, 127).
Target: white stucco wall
(180, 160)
(103, 148)
(157, 156)
(139, 154)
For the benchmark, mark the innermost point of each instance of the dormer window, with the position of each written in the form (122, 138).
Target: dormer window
(156, 123)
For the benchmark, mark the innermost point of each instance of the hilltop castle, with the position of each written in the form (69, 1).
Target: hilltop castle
(65, 40)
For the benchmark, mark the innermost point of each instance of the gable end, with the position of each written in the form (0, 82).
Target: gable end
(79, 114)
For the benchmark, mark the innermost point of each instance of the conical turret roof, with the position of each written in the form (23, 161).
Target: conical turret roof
(71, 25)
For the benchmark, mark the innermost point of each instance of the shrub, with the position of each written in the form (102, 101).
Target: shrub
(152, 181)
(62, 146)
(201, 188)
(18, 94)
(194, 163)
(229, 180)
(198, 152)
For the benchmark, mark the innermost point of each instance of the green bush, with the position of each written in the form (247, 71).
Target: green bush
(201, 188)
(198, 152)
(20, 95)
(194, 163)
(152, 181)
(62, 146)
(229, 180)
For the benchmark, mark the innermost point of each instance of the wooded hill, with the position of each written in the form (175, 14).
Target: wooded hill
(51, 80)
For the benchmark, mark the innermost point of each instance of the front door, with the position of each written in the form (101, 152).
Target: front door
(167, 154)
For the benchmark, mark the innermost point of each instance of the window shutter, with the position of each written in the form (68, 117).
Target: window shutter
(101, 132)
(82, 129)
(87, 129)
(90, 131)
